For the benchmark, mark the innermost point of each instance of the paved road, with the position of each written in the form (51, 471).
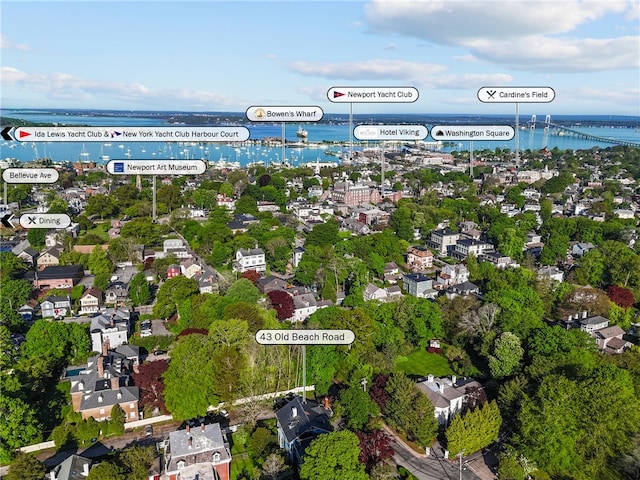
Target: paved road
(428, 468)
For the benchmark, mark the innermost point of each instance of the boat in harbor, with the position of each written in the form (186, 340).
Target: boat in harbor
(302, 133)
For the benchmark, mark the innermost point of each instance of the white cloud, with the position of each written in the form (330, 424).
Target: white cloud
(390, 46)
(522, 34)
(368, 70)
(6, 44)
(62, 86)
(422, 75)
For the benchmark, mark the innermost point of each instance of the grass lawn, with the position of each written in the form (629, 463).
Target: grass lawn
(421, 363)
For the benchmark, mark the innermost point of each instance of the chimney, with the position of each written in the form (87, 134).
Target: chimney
(111, 321)
(453, 379)
(326, 403)
(584, 314)
(188, 428)
(190, 442)
(105, 348)
(441, 387)
(52, 473)
(202, 427)
(294, 412)
(430, 377)
(85, 469)
(115, 383)
(100, 366)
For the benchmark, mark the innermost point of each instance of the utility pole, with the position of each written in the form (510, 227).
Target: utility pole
(364, 384)
(460, 469)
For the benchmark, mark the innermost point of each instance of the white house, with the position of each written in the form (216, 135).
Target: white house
(448, 395)
(253, 259)
(305, 305)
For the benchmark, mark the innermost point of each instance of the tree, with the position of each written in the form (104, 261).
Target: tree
(623, 297)
(190, 380)
(99, 262)
(401, 223)
(333, 456)
(242, 290)
(507, 354)
(137, 461)
(101, 205)
(139, 290)
(116, 420)
(283, 304)
(474, 430)
(11, 267)
(148, 379)
(273, 466)
(375, 447)
(171, 292)
(106, 471)
(26, 467)
(323, 234)
(358, 407)
(251, 275)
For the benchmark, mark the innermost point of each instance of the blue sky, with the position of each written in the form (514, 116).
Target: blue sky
(227, 56)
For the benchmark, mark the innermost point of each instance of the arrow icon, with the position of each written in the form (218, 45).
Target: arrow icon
(5, 133)
(6, 220)
(115, 134)
(337, 94)
(23, 134)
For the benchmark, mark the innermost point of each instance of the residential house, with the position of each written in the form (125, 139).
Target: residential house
(104, 384)
(464, 288)
(419, 285)
(49, 257)
(116, 294)
(469, 246)
(443, 241)
(449, 395)
(55, 276)
(451, 275)
(391, 272)
(111, 326)
(374, 217)
(419, 258)
(354, 225)
(174, 246)
(29, 255)
(173, 270)
(55, 306)
(592, 324)
(267, 207)
(253, 259)
(373, 292)
(580, 248)
(207, 280)
(551, 273)
(190, 267)
(499, 260)
(223, 201)
(609, 339)
(297, 256)
(198, 452)
(270, 283)
(305, 306)
(74, 467)
(241, 222)
(91, 300)
(298, 424)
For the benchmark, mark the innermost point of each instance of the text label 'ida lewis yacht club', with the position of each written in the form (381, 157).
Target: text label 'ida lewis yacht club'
(131, 134)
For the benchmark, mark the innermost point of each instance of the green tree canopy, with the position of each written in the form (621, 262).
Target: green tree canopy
(474, 430)
(333, 456)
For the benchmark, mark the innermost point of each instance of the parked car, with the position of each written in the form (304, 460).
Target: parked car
(148, 431)
(159, 352)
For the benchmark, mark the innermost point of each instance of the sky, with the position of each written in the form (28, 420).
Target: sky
(228, 56)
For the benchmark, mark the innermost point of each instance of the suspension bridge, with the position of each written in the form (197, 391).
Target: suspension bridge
(554, 128)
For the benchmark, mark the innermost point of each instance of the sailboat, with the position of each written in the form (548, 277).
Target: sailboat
(103, 156)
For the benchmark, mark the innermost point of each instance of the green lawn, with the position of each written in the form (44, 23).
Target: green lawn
(422, 363)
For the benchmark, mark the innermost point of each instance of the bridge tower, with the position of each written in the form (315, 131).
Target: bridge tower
(532, 123)
(547, 122)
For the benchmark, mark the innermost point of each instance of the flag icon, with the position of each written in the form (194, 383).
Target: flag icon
(118, 167)
(337, 94)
